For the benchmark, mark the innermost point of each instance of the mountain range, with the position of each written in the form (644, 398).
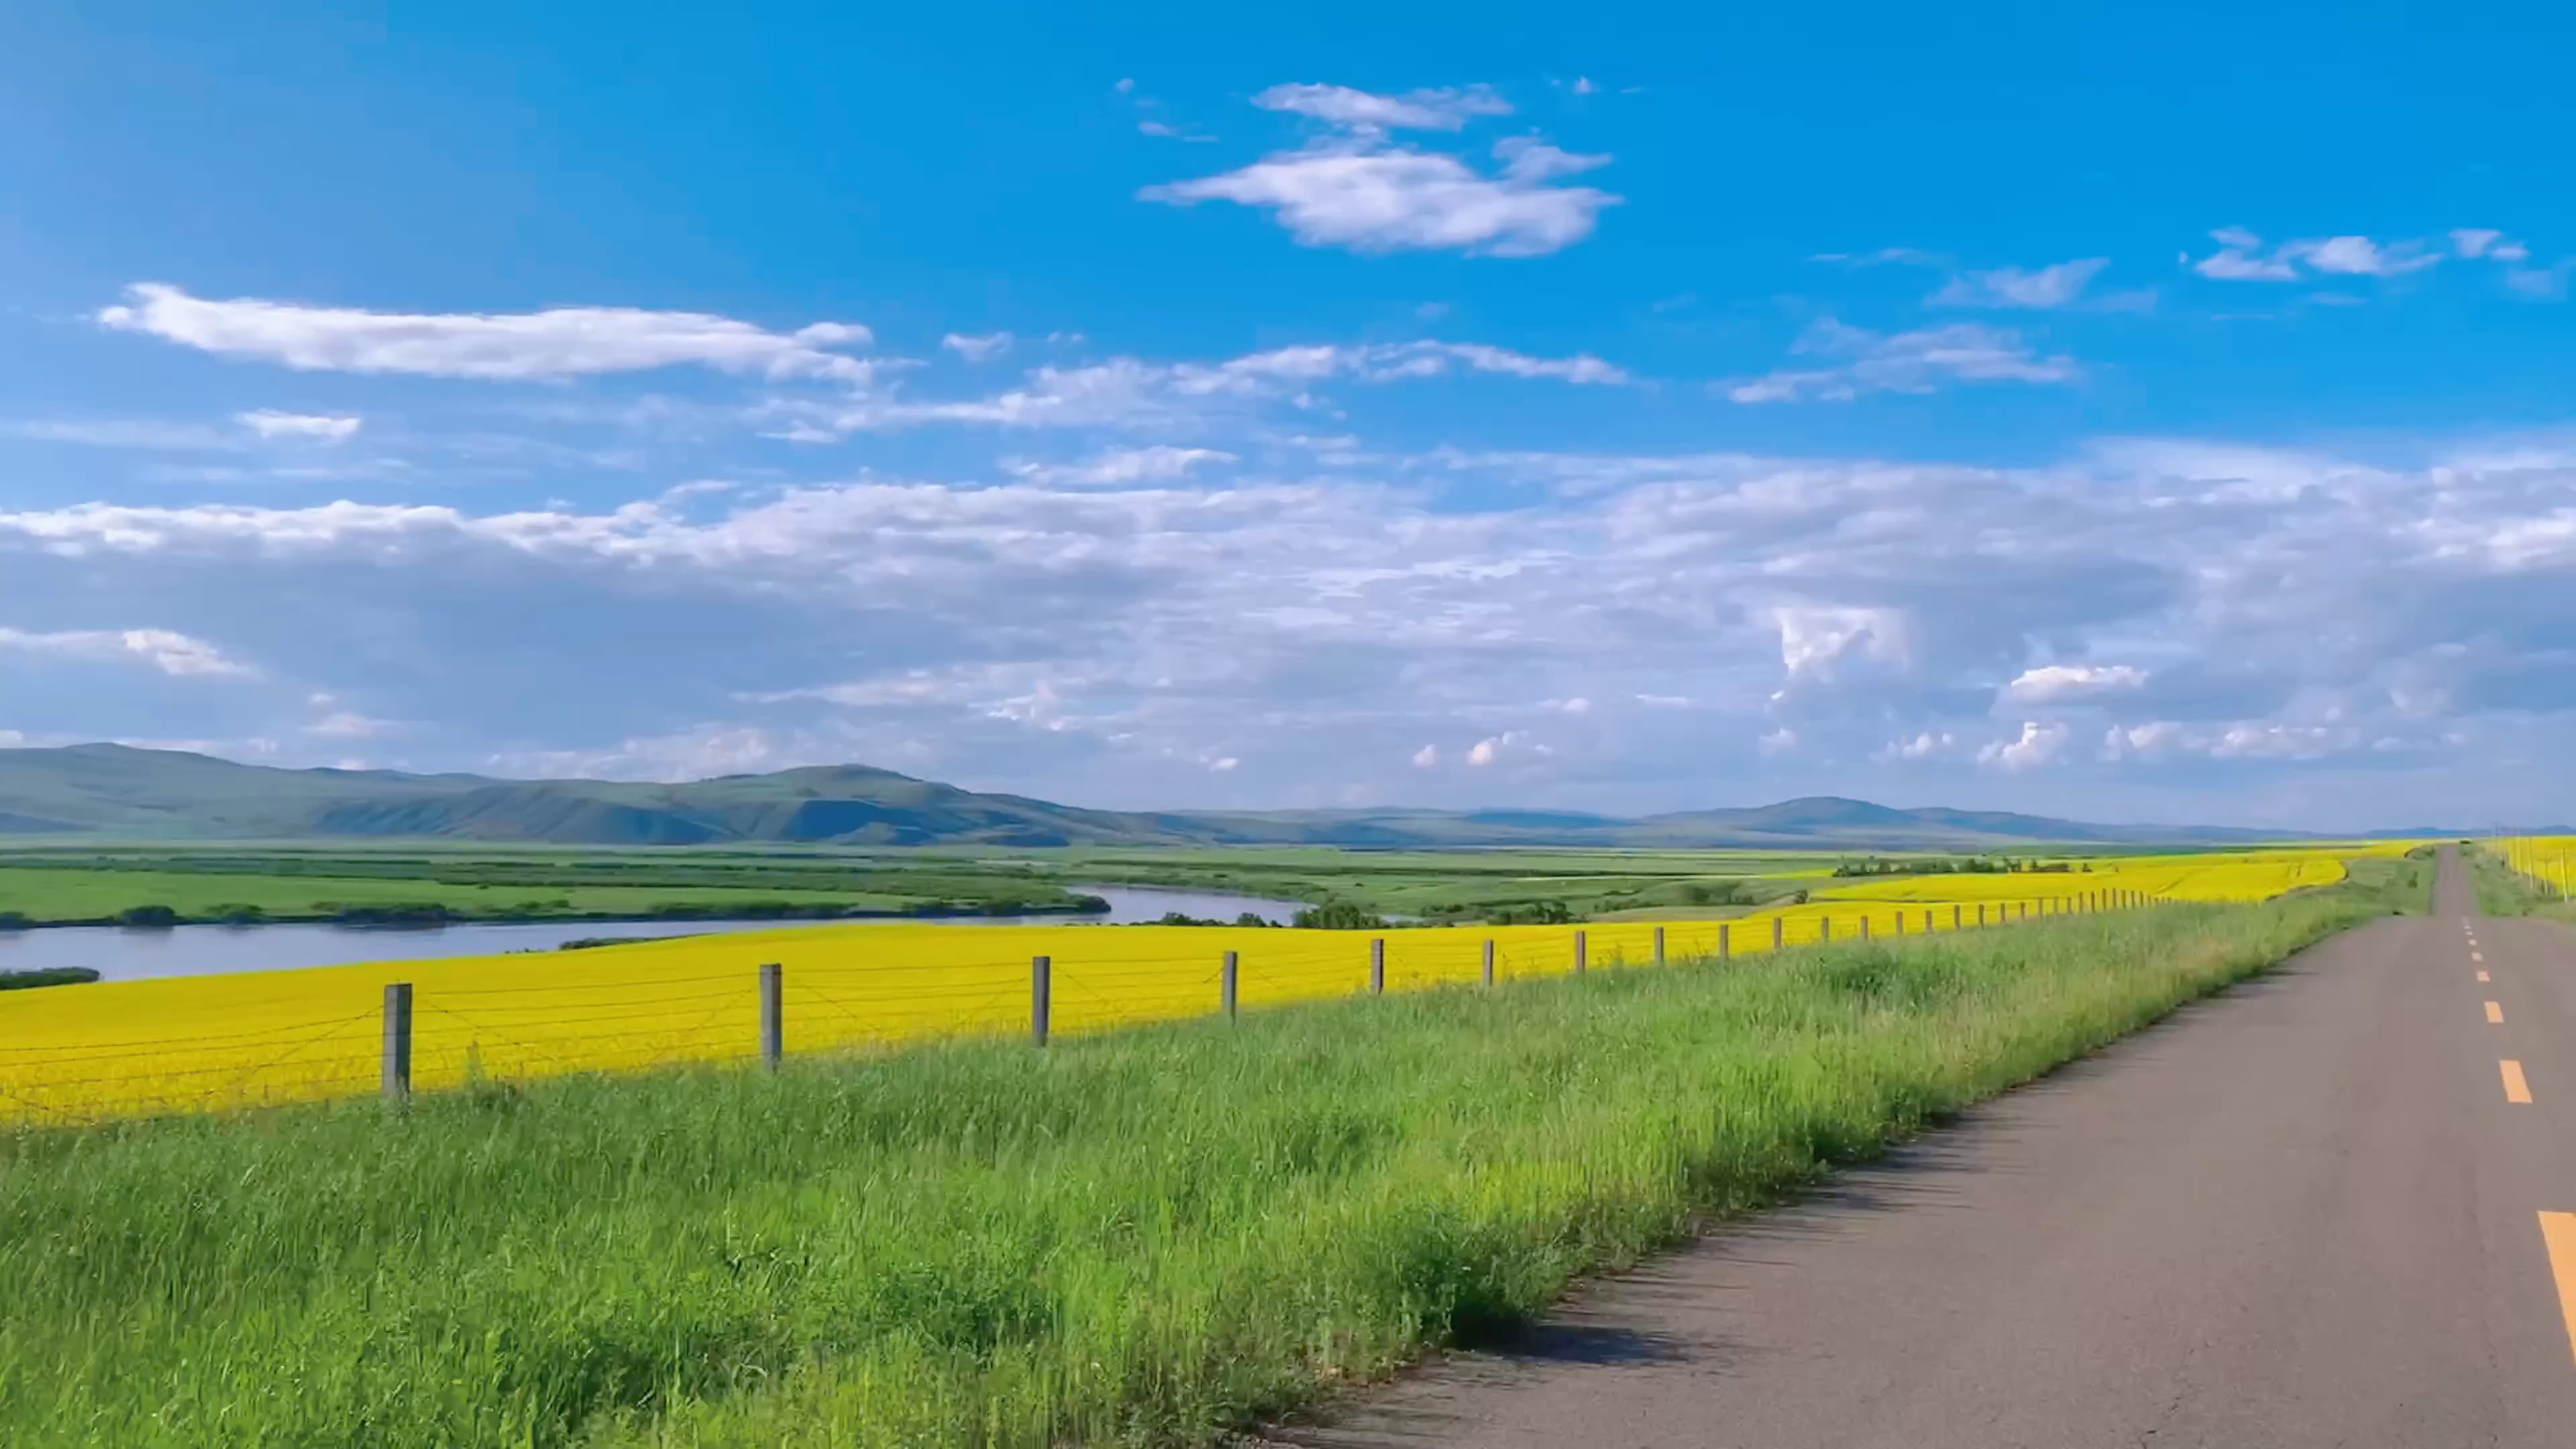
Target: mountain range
(116, 791)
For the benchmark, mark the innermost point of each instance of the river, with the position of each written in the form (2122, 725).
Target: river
(119, 953)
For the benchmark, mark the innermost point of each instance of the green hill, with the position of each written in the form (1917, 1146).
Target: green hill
(115, 790)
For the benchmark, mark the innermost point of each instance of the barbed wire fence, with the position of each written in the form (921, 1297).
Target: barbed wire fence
(452, 1038)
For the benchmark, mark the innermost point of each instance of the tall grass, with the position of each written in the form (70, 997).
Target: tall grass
(1138, 1238)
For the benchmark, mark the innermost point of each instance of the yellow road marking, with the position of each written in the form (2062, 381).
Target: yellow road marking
(2495, 1014)
(2558, 1230)
(2515, 1088)
(2482, 976)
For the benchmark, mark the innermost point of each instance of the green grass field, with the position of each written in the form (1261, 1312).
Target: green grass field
(285, 882)
(1144, 1238)
(288, 881)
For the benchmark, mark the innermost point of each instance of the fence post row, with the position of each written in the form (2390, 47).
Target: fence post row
(1377, 966)
(1226, 986)
(773, 1024)
(1041, 970)
(397, 1066)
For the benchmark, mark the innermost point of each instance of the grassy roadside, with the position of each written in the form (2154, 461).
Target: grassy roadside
(2502, 890)
(1140, 1238)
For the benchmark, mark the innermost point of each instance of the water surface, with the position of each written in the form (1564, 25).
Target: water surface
(119, 953)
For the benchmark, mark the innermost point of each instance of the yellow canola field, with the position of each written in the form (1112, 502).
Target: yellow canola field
(216, 1042)
(2549, 860)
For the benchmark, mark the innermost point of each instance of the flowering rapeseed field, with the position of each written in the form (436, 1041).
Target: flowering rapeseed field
(217, 1042)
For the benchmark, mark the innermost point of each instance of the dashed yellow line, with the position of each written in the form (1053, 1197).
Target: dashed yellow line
(2558, 1230)
(2495, 1014)
(2515, 1088)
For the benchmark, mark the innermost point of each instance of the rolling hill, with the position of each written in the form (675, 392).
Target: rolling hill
(119, 791)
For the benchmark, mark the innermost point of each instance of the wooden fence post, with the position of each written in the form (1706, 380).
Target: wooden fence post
(1722, 952)
(1659, 945)
(1775, 933)
(1824, 930)
(1578, 953)
(1489, 960)
(1225, 986)
(1377, 966)
(1864, 925)
(773, 1025)
(397, 1066)
(1927, 920)
(1041, 984)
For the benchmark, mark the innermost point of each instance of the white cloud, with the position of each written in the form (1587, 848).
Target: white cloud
(1366, 195)
(168, 651)
(1909, 362)
(2038, 745)
(2288, 613)
(1121, 467)
(982, 348)
(130, 433)
(2359, 256)
(1503, 748)
(1425, 110)
(556, 343)
(318, 427)
(2540, 283)
(2056, 683)
(1426, 757)
(1125, 391)
(2239, 257)
(2046, 287)
(2474, 241)
(341, 724)
(1813, 638)
(1923, 746)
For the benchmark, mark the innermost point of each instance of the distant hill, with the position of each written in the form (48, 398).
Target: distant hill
(114, 790)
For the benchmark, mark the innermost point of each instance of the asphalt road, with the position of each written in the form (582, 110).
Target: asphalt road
(2302, 1213)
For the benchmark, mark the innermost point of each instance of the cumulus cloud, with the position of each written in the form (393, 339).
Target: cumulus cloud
(1923, 746)
(1358, 190)
(1505, 748)
(166, 650)
(321, 428)
(559, 342)
(1909, 362)
(2039, 744)
(2042, 288)
(2059, 683)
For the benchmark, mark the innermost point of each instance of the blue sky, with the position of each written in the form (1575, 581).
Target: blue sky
(2137, 417)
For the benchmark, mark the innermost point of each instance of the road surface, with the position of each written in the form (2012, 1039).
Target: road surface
(2313, 1211)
